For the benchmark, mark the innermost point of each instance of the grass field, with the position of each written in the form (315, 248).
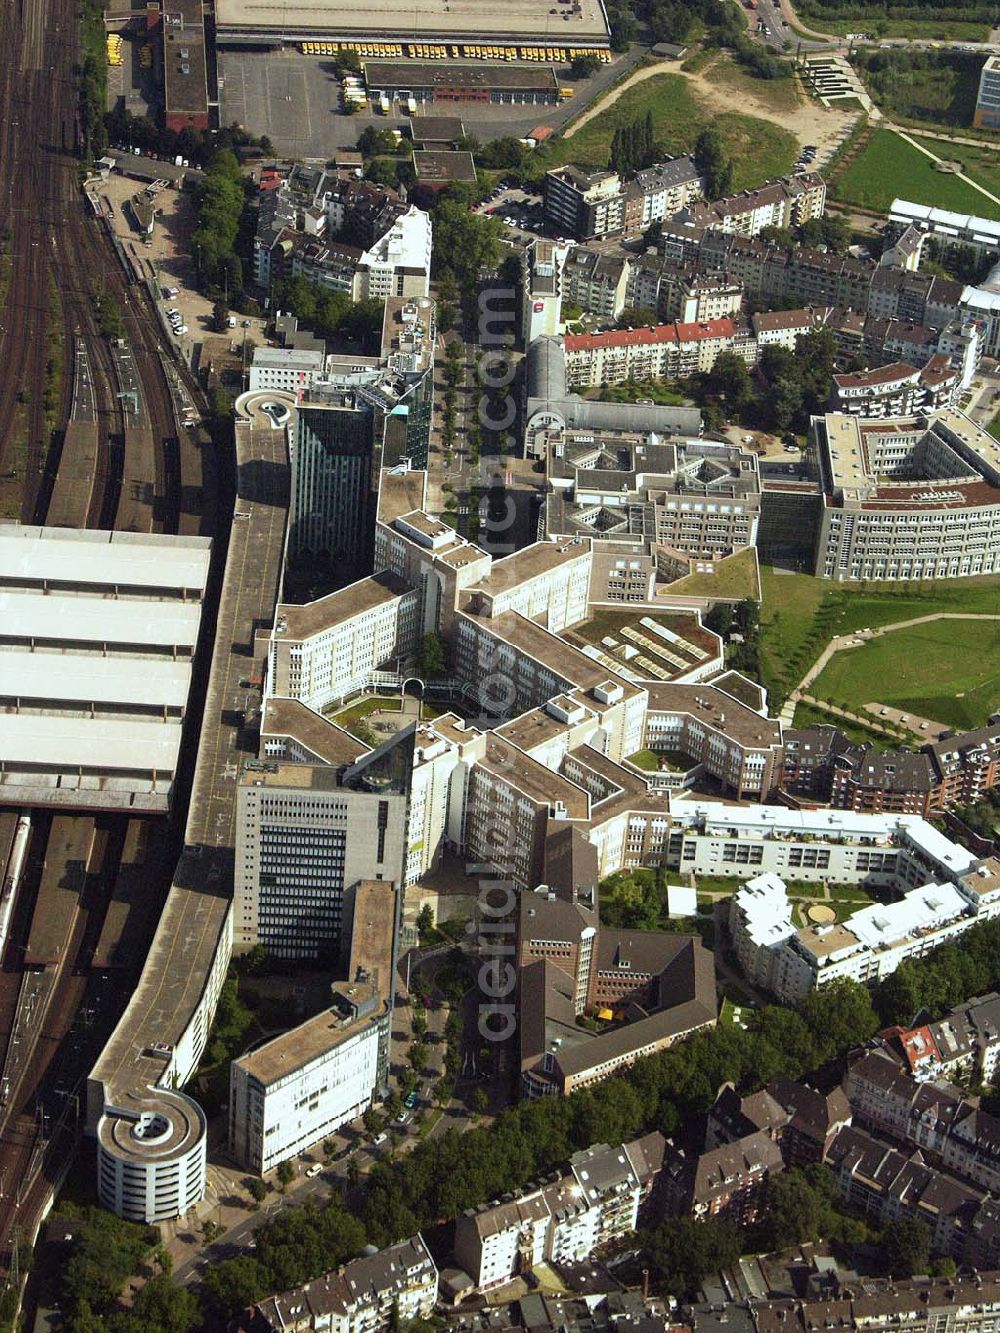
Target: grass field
(948, 670)
(760, 149)
(776, 94)
(936, 29)
(801, 614)
(889, 168)
(981, 164)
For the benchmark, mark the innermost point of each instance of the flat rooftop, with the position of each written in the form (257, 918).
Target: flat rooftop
(85, 745)
(380, 74)
(184, 64)
(90, 679)
(310, 1040)
(440, 165)
(330, 743)
(326, 613)
(73, 558)
(476, 19)
(27, 616)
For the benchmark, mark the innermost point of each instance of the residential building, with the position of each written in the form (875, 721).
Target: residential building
(664, 352)
(802, 1121)
(584, 205)
(398, 263)
(367, 1295)
(726, 1181)
(659, 192)
(899, 850)
(896, 390)
(596, 282)
(542, 289)
(787, 202)
(783, 328)
(596, 1202)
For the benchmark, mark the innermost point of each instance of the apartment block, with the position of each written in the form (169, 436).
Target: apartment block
(596, 1202)
(596, 283)
(368, 1295)
(897, 389)
(726, 1181)
(584, 206)
(945, 891)
(987, 113)
(783, 203)
(660, 191)
(542, 289)
(663, 352)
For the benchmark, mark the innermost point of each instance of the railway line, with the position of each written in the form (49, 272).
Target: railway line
(97, 445)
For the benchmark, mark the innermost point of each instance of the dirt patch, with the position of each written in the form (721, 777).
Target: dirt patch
(808, 121)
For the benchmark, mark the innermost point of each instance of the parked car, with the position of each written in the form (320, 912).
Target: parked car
(314, 1170)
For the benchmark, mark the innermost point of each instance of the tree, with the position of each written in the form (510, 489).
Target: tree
(839, 1016)
(683, 1252)
(480, 1101)
(432, 655)
(286, 1174)
(220, 316)
(417, 1056)
(425, 920)
(465, 243)
(163, 1306)
(713, 163)
(372, 1120)
(905, 1244)
(582, 67)
(257, 1189)
(719, 618)
(636, 317)
(729, 381)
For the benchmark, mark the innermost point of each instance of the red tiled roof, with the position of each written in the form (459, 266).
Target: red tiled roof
(662, 333)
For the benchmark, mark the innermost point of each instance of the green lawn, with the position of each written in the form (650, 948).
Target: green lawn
(789, 603)
(994, 427)
(947, 670)
(981, 164)
(889, 168)
(732, 579)
(801, 614)
(364, 708)
(760, 149)
(648, 760)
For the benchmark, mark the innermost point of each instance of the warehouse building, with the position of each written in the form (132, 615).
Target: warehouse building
(513, 85)
(525, 29)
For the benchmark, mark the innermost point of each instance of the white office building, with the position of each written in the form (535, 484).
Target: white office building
(301, 1087)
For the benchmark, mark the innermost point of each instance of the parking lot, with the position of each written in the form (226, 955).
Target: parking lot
(295, 100)
(517, 209)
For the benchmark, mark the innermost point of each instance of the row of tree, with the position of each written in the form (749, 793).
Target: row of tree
(222, 199)
(633, 146)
